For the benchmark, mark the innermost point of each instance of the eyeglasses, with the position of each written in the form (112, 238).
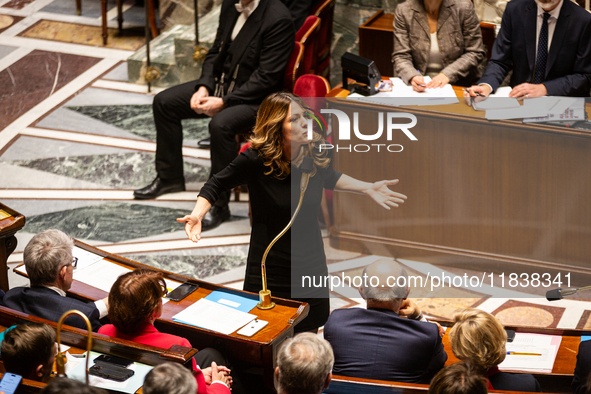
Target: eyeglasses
(75, 262)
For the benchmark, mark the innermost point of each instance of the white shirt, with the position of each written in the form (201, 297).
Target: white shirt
(100, 304)
(435, 63)
(247, 10)
(551, 23)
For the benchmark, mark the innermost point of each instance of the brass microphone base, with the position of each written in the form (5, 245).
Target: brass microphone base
(265, 300)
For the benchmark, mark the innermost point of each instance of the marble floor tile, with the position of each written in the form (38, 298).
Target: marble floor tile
(35, 77)
(7, 21)
(32, 148)
(66, 119)
(74, 33)
(5, 50)
(95, 96)
(41, 207)
(90, 8)
(517, 313)
(109, 222)
(123, 170)
(21, 177)
(17, 4)
(139, 120)
(201, 266)
(119, 73)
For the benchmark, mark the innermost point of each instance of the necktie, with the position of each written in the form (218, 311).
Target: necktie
(542, 58)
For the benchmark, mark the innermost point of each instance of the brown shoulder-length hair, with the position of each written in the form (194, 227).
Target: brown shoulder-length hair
(267, 137)
(133, 298)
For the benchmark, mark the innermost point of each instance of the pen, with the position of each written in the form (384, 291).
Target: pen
(523, 354)
(478, 94)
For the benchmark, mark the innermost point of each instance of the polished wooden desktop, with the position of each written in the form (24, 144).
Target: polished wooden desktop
(10, 222)
(76, 338)
(511, 195)
(258, 350)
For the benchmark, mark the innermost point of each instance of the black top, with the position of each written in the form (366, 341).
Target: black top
(514, 382)
(273, 201)
(583, 368)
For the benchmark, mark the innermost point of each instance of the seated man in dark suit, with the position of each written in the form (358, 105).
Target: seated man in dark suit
(390, 340)
(304, 365)
(546, 44)
(50, 266)
(246, 63)
(581, 381)
(29, 350)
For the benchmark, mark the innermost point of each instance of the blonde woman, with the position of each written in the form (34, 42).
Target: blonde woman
(271, 170)
(479, 336)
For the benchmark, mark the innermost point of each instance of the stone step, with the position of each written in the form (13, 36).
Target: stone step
(172, 53)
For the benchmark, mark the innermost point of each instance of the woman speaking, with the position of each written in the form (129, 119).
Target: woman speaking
(271, 169)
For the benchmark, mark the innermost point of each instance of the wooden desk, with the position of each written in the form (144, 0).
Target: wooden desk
(500, 193)
(258, 350)
(347, 385)
(10, 222)
(376, 40)
(76, 339)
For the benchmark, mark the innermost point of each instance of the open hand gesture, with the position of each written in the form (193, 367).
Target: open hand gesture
(192, 227)
(381, 194)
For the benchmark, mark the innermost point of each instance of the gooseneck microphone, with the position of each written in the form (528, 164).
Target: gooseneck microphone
(559, 294)
(265, 295)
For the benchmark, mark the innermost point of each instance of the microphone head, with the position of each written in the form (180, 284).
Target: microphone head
(554, 295)
(307, 165)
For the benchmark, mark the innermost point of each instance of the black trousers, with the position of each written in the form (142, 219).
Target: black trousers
(173, 105)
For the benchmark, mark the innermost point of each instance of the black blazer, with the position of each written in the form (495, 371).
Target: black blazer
(259, 53)
(583, 368)
(568, 70)
(47, 304)
(300, 10)
(514, 382)
(379, 344)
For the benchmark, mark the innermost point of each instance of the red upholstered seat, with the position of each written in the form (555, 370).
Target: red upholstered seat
(292, 71)
(308, 36)
(325, 11)
(314, 88)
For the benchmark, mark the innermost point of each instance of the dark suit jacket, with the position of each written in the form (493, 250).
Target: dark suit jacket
(514, 382)
(378, 344)
(261, 51)
(568, 69)
(47, 304)
(583, 368)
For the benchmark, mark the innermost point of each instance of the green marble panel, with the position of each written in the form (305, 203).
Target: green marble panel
(139, 120)
(124, 170)
(110, 222)
(199, 267)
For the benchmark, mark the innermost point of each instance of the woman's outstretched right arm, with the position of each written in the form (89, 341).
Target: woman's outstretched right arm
(193, 221)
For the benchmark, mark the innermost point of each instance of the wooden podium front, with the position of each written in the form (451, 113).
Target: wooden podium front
(511, 195)
(10, 222)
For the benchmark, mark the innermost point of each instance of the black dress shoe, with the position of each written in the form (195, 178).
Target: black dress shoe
(215, 217)
(204, 143)
(159, 187)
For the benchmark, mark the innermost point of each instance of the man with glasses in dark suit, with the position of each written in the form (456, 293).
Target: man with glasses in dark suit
(50, 265)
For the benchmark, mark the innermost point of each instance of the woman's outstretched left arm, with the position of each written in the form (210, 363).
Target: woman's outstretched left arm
(378, 191)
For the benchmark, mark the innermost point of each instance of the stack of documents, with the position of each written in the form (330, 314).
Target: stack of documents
(531, 353)
(403, 94)
(562, 109)
(214, 316)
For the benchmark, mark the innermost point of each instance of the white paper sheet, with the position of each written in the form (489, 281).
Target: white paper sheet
(85, 258)
(402, 94)
(102, 274)
(575, 111)
(213, 316)
(544, 345)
